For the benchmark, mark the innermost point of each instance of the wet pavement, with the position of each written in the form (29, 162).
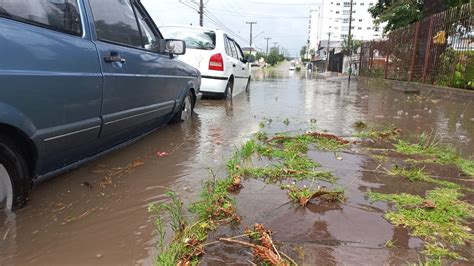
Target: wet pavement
(98, 213)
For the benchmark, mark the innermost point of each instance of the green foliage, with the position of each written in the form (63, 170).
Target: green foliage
(350, 47)
(438, 219)
(274, 57)
(456, 69)
(397, 14)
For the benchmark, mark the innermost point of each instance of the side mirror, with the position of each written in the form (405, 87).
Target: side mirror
(249, 59)
(172, 46)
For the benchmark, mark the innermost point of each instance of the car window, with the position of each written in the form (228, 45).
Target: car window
(240, 56)
(227, 46)
(194, 38)
(232, 49)
(149, 39)
(60, 15)
(115, 22)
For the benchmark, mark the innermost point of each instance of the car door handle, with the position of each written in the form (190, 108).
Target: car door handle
(234, 65)
(115, 58)
(243, 68)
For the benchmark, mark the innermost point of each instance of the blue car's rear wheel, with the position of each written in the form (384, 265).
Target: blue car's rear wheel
(14, 176)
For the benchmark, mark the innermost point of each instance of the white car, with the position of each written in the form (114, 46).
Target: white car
(218, 57)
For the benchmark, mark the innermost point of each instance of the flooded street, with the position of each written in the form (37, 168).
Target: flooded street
(98, 213)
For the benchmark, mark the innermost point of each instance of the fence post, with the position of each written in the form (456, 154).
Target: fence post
(386, 65)
(427, 52)
(413, 54)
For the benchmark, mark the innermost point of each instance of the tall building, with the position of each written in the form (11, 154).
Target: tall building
(329, 19)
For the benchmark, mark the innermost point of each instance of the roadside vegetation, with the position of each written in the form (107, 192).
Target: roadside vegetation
(440, 218)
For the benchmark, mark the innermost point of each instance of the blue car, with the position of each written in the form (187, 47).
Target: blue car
(79, 78)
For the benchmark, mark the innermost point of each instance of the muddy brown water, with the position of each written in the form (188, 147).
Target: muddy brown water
(98, 213)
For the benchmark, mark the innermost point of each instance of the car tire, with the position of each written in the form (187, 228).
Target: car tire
(15, 181)
(247, 88)
(186, 110)
(227, 95)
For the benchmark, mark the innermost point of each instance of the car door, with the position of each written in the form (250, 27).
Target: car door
(139, 83)
(235, 66)
(51, 86)
(244, 70)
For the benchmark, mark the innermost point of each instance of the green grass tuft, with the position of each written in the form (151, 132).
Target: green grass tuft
(438, 219)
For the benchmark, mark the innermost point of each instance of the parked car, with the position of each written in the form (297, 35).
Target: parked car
(218, 57)
(292, 67)
(81, 78)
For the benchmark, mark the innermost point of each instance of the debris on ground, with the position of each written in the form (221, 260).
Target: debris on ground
(264, 250)
(304, 195)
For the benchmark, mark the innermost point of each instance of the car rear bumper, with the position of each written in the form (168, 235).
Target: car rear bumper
(213, 84)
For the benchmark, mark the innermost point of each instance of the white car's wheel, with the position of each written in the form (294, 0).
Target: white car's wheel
(228, 91)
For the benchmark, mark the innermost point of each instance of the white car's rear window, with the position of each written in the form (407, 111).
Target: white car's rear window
(194, 38)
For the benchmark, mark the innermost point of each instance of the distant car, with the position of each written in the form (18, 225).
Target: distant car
(292, 67)
(81, 78)
(218, 57)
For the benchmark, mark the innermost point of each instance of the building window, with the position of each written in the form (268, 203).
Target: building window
(346, 12)
(359, 28)
(371, 4)
(376, 28)
(343, 36)
(345, 20)
(345, 28)
(336, 28)
(352, 27)
(338, 4)
(347, 4)
(368, 28)
(361, 4)
(337, 12)
(360, 20)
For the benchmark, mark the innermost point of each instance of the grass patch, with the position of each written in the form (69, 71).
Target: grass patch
(186, 245)
(437, 219)
(289, 154)
(418, 174)
(426, 145)
(375, 131)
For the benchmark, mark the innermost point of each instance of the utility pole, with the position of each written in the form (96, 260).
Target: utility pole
(251, 32)
(349, 42)
(327, 52)
(268, 39)
(201, 13)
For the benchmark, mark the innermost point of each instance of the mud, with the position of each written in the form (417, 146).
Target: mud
(98, 213)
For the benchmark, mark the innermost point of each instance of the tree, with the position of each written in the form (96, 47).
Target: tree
(303, 51)
(400, 13)
(274, 57)
(348, 49)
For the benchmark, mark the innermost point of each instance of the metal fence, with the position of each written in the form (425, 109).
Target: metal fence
(436, 50)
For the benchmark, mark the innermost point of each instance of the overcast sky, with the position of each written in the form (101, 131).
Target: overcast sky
(285, 21)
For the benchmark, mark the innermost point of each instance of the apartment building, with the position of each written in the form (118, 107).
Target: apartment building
(329, 19)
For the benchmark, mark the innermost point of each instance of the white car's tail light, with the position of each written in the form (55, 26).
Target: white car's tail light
(216, 62)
